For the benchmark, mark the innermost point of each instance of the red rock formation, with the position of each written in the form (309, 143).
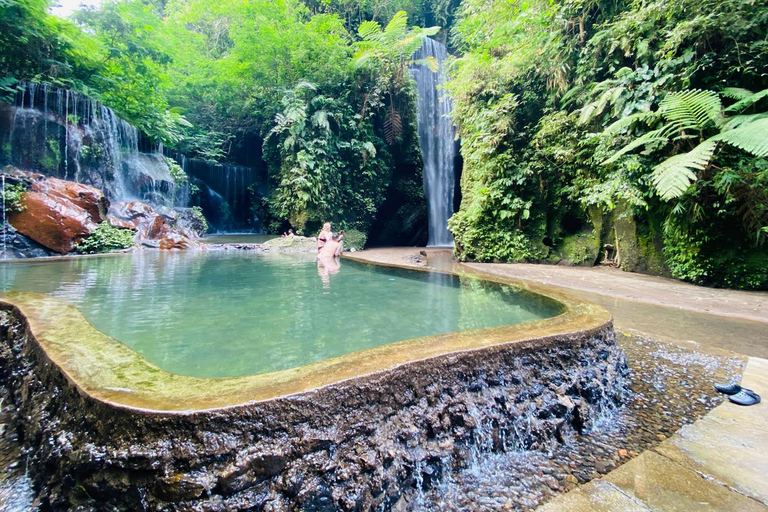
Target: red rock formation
(57, 214)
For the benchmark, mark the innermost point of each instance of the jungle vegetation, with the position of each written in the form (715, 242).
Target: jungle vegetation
(631, 132)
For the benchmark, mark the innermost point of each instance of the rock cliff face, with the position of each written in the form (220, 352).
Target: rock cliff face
(160, 230)
(359, 445)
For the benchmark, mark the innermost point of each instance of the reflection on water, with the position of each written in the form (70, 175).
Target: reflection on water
(326, 267)
(228, 314)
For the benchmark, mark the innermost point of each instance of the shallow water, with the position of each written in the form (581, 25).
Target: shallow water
(231, 314)
(237, 238)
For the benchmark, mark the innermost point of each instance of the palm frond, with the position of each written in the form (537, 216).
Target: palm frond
(673, 176)
(393, 125)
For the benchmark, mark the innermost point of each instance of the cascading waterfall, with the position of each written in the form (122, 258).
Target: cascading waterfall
(437, 141)
(64, 134)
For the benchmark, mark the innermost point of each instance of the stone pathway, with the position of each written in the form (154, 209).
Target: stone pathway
(718, 463)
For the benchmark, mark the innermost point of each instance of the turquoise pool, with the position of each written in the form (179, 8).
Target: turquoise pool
(239, 313)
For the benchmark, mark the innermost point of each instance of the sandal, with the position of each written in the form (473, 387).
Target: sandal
(745, 397)
(728, 389)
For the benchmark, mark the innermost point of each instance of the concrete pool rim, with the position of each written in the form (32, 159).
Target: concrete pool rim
(108, 371)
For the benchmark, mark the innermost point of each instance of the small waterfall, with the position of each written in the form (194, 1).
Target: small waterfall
(437, 141)
(226, 195)
(66, 135)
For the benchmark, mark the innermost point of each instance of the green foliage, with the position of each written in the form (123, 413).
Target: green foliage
(177, 172)
(545, 92)
(13, 196)
(105, 238)
(389, 53)
(354, 239)
(198, 213)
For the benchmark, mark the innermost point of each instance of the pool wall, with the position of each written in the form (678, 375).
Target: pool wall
(362, 443)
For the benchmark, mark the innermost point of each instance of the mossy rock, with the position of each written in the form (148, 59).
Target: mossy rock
(581, 249)
(291, 244)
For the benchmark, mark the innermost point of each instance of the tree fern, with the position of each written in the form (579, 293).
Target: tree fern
(692, 110)
(747, 101)
(750, 137)
(673, 176)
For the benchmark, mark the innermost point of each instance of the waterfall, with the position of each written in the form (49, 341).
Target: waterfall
(66, 135)
(437, 141)
(225, 194)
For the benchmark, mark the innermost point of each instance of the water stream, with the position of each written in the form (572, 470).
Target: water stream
(437, 141)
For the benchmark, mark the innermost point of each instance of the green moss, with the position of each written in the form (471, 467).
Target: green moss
(105, 238)
(581, 249)
(177, 172)
(197, 211)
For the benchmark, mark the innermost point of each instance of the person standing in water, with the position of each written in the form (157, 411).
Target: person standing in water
(324, 236)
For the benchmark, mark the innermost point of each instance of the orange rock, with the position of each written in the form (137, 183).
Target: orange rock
(90, 199)
(52, 221)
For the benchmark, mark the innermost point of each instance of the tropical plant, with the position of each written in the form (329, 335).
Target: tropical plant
(688, 117)
(389, 52)
(105, 238)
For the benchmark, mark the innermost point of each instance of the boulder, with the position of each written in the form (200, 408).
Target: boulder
(153, 229)
(56, 213)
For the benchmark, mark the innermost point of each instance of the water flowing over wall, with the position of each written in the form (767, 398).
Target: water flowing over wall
(437, 140)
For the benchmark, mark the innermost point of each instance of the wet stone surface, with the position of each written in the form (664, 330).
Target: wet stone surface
(671, 386)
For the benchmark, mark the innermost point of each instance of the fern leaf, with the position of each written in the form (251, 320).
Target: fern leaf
(751, 137)
(320, 119)
(398, 25)
(651, 139)
(736, 121)
(673, 176)
(429, 62)
(369, 30)
(692, 110)
(393, 125)
(625, 122)
(736, 93)
(747, 102)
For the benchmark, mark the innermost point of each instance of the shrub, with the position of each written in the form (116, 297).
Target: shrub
(354, 239)
(177, 172)
(105, 238)
(13, 197)
(203, 223)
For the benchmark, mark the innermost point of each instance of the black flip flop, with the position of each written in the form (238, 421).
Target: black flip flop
(728, 389)
(745, 397)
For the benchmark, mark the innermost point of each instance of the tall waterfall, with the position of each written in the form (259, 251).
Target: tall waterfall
(437, 141)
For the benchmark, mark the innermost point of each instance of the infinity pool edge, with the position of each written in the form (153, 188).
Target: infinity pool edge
(109, 371)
